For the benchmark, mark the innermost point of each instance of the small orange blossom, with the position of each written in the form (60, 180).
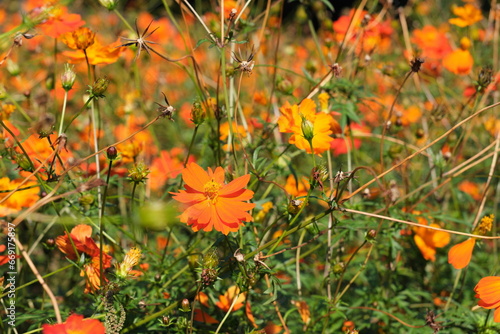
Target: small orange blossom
(211, 203)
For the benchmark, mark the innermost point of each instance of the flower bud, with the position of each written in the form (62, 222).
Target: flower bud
(307, 128)
(371, 235)
(210, 259)
(484, 78)
(294, 206)
(68, 77)
(99, 88)
(285, 86)
(185, 305)
(13, 68)
(109, 4)
(112, 152)
(197, 114)
(86, 201)
(138, 173)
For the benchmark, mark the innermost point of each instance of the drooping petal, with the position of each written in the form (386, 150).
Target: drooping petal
(459, 255)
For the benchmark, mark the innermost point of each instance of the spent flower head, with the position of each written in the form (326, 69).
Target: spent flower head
(138, 173)
(131, 259)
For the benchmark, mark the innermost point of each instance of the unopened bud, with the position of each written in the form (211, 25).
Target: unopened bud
(68, 77)
(112, 152)
(307, 128)
(99, 87)
(185, 305)
(109, 4)
(371, 235)
(197, 114)
(211, 259)
(138, 173)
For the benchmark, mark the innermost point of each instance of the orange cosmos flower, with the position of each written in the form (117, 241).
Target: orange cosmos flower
(61, 22)
(467, 15)
(488, 292)
(97, 53)
(460, 61)
(75, 324)
(80, 39)
(211, 203)
(81, 241)
(294, 189)
(167, 166)
(227, 298)
(433, 45)
(428, 240)
(20, 199)
(292, 119)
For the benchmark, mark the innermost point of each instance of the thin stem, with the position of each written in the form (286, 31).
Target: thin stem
(63, 112)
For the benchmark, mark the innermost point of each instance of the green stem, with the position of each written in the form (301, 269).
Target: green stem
(78, 113)
(63, 112)
(191, 145)
(129, 27)
(101, 225)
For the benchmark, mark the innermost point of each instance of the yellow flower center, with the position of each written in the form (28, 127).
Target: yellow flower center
(212, 190)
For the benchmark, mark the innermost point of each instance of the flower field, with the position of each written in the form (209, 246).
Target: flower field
(265, 166)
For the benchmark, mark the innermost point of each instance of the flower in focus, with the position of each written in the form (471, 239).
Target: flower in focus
(467, 15)
(75, 324)
(80, 39)
(318, 126)
(80, 240)
(460, 255)
(488, 292)
(228, 297)
(20, 199)
(427, 240)
(211, 203)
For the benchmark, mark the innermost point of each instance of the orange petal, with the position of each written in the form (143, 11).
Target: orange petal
(488, 291)
(235, 185)
(459, 255)
(195, 177)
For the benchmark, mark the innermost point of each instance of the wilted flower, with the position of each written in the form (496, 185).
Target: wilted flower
(131, 259)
